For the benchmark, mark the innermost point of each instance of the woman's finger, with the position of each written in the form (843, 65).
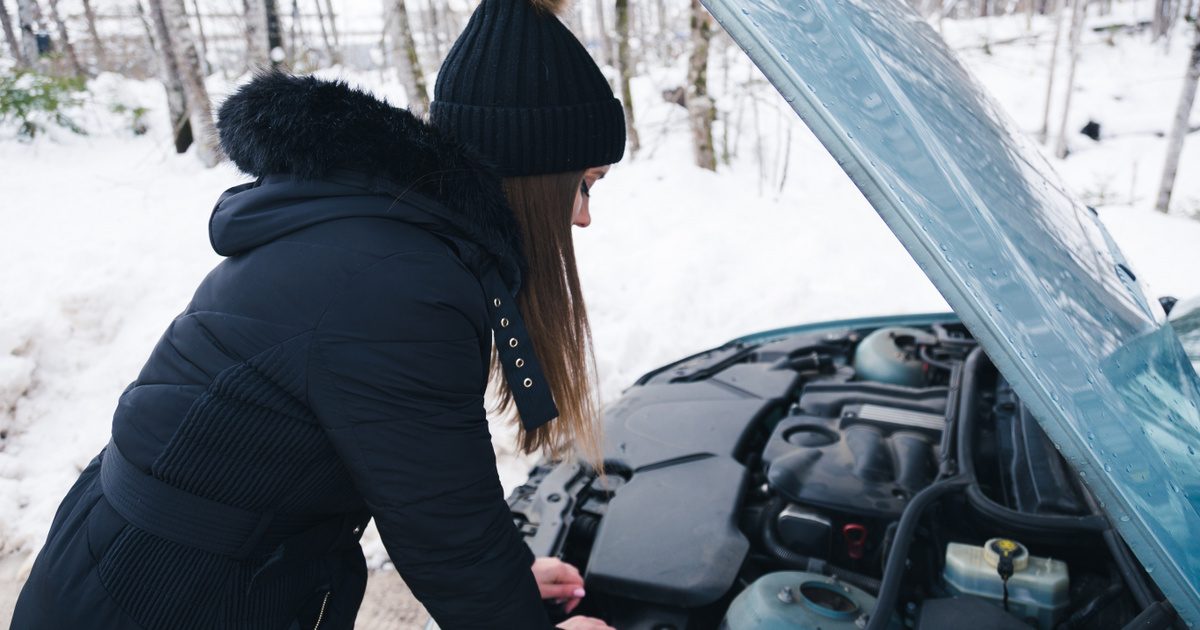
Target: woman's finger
(561, 591)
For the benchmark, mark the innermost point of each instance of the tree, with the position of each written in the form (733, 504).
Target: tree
(408, 65)
(258, 52)
(168, 70)
(330, 48)
(1078, 15)
(337, 44)
(701, 111)
(97, 43)
(606, 48)
(1165, 12)
(1044, 132)
(14, 46)
(64, 40)
(625, 62)
(27, 15)
(187, 62)
(203, 38)
(434, 29)
(274, 32)
(1187, 96)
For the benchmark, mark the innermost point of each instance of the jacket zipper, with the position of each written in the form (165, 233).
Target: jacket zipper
(321, 615)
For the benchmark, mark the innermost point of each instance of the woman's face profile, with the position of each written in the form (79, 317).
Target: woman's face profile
(580, 216)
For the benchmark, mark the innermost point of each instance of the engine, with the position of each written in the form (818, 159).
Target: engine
(775, 483)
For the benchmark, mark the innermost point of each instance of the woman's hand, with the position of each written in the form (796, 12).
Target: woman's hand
(584, 623)
(560, 581)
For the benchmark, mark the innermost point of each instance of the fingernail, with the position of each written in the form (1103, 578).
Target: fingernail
(578, 592)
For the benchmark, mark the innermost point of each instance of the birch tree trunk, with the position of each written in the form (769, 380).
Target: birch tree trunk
(14, 45)
(1078, 15)
(187, 60)
(408, 65)
(606, 47)
(168, 69)
(1160, 22)
(258, 53)
(27, 13)
(664, 30)
(699, 104)
(1179, 128)
(64, 40)
(97, 43)
(625, 62)
(1044, 132)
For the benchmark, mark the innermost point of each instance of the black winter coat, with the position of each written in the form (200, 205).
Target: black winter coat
(330, 369)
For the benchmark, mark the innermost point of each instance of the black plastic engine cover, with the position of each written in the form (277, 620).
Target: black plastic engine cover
(670, 535)
(656, 423)
(869, 455)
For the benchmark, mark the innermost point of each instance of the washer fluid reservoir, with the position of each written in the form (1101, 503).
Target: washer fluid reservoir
(1037, 587)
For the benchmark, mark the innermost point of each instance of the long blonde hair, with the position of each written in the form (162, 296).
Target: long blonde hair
(552, 304)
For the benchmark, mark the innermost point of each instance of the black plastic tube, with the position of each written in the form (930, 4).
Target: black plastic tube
(1084, 613)
(1130, 571)
(976, 498)
(897, 562)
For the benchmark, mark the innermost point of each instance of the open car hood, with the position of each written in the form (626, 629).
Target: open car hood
(1029, 269)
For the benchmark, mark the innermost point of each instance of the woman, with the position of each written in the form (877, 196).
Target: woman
(332, 368)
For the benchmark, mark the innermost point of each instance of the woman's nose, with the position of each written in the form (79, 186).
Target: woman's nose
(582, 217)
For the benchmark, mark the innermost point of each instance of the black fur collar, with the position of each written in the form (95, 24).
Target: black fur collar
(311, 128)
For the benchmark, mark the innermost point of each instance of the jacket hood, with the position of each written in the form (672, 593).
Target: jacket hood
(308, 139)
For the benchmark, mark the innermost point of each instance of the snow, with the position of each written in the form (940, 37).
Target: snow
(105, 236)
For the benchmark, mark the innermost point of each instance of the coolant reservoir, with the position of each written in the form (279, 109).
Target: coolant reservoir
(1037, 589)
(794, 600)
(885, 355)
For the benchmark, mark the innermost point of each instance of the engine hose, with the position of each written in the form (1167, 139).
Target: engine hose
(893, 572)
(787, 557)
(1130, 572)
(1084, 614)
(976, 498)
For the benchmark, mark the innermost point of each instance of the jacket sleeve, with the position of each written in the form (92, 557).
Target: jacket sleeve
(396, 373)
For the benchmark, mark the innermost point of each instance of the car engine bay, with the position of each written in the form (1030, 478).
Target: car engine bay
(861, 477)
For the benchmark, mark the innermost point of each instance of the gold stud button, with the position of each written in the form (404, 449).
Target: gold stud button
(519, 362)
(496, 302)
(512, 343)
(528, 383)
(504, 322)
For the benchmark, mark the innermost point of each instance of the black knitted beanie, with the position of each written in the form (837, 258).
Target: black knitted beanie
(523, 91)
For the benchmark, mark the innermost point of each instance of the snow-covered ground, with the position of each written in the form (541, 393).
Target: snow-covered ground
(104, 237)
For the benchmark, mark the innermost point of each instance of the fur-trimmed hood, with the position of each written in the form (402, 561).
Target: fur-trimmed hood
(323, 138)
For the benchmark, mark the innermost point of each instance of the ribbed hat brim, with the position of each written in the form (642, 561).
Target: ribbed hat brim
(538, 140)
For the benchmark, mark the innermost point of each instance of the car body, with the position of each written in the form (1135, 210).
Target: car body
(788, 479)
